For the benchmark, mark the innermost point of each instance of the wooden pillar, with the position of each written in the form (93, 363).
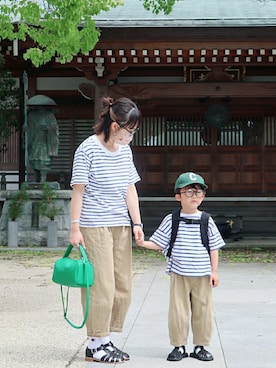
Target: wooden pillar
(214, 140)
(100, 91)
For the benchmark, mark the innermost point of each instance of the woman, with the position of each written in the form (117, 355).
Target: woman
(104, 203)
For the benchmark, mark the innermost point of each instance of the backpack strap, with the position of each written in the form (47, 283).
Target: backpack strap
(175, 225)
(204, 230)
(203, 221)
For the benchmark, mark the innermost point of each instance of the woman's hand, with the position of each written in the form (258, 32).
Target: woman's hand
(138, 234)
(76, 237)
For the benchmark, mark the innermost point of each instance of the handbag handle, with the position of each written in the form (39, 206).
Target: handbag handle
(87, 296)
(82, 251)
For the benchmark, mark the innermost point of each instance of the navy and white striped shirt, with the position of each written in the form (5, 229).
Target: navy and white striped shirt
(106, 176)
(189, 256)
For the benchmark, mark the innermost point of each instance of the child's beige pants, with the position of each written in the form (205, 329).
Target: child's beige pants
(190, 298)
(110, 251)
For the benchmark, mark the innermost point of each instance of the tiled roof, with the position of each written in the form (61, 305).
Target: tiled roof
(193, 13)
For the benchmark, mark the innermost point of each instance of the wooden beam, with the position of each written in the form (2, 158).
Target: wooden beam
(193, 90)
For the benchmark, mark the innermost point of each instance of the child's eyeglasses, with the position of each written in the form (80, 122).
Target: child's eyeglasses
(191, 192)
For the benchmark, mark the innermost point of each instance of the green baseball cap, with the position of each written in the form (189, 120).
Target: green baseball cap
(189, 178)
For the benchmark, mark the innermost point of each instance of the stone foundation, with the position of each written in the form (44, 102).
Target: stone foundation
(32, 230)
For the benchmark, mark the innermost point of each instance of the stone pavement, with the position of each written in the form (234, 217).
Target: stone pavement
(34, 335)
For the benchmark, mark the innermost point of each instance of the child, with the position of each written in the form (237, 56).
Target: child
(193, 272)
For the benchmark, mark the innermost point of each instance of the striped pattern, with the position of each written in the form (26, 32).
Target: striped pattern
(189, 256)
(106, 176)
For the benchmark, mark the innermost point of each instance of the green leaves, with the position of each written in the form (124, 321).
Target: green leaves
(47, 203)
(61, 28)
(16, 204)
(156, 6)
(9, 102)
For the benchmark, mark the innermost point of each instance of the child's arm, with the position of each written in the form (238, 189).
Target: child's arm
(214, 279)
(148, 244)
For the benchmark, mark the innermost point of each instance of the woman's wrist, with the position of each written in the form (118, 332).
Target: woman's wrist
(140, 225)
(75, 221)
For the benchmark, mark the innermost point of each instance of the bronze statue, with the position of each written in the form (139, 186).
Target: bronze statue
(43, 141)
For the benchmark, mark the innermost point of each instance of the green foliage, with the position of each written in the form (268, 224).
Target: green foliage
(47, 206)
(9, 102)
(61, 28)
(142, 257)
(156, 6)
(243, 254)
(248, 255)
(16, 204)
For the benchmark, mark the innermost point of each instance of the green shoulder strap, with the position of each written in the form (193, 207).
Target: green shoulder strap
(65, 300)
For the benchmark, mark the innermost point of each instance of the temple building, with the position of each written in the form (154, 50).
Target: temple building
(204, 78)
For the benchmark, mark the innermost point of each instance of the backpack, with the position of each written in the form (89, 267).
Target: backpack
(203, 221)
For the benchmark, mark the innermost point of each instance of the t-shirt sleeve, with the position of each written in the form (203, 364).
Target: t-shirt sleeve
(80, 170)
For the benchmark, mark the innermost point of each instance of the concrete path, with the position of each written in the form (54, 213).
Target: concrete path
(33, 333)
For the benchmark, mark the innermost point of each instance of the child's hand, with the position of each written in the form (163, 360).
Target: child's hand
(148, 244)
(214, 280)
(140, 242)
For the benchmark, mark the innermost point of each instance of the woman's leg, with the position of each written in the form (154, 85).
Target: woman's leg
(99, 248)
(122, 253)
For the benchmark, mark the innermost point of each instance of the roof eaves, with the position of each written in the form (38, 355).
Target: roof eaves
(133, 23)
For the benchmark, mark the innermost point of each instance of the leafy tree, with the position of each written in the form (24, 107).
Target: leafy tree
(60, 28)
(9, 102)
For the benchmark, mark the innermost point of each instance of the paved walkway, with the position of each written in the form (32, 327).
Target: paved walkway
(34, 334)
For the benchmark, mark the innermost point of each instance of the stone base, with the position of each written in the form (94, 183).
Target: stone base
(38, 185)
(31, 233)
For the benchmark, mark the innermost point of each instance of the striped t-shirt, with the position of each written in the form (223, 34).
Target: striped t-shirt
(189, 256)
(106, 176)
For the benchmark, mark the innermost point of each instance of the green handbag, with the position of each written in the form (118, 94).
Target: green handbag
(78, 273)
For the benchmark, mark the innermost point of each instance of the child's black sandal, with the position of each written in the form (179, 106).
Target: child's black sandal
(201, 354)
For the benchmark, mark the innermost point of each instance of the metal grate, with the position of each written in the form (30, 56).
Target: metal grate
(194, 131)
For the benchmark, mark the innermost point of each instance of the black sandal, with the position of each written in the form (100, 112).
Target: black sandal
(125, 355)
(110, 356)
(177, 354)
(201, 354)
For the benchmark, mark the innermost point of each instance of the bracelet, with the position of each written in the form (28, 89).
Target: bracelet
(75, 221)
(141, 225)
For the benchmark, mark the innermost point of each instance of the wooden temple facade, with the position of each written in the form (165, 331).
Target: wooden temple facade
(206, 88)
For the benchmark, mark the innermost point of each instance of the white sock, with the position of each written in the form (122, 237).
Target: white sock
(105, 340)
(95, 342)
(182, 349)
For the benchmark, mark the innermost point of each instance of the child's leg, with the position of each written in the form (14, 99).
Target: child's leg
(202, 311)
(179, 309)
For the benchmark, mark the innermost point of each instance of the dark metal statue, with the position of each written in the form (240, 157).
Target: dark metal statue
(43, 141)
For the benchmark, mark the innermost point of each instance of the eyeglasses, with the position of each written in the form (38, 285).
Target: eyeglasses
(190, 193)
(130, 132)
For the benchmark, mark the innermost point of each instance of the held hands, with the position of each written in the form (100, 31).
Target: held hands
(140, 242)
(138, 235)
(148, 244)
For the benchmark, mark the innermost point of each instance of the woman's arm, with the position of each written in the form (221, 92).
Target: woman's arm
(132, 203)
(76, 205)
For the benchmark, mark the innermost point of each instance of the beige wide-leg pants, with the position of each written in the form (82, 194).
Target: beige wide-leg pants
(190, 297)
(110, 251)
